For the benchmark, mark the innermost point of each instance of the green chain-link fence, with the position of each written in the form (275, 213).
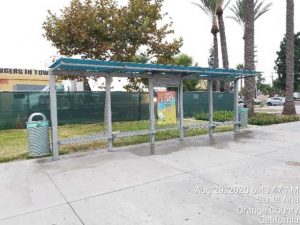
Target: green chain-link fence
(88, 107)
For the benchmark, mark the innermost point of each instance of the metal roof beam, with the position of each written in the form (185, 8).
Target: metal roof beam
(77, 67)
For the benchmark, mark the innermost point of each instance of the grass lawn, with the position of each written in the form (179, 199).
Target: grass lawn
(13, 143)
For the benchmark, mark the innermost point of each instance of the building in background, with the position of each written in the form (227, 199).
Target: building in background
(26, 80)
(22, 79)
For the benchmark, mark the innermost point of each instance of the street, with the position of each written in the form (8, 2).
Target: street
(275, 109)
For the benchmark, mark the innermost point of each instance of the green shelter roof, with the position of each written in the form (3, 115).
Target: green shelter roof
(69, 65)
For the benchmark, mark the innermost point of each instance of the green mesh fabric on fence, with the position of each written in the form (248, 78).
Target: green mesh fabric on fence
(197, 102)
(88, 107)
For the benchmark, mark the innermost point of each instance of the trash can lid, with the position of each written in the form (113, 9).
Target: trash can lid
(36, 114)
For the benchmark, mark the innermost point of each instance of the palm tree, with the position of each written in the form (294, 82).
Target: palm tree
(249, 17)
(260, 8)
(220, 6)
(209, 7)
(289, 106)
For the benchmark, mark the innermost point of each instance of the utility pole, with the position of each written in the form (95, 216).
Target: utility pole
(272, 77)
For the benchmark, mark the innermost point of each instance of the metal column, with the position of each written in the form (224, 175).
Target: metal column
(211, 125)
(181, 130)
(53, 109)
(236, 106)
(151, 111)
(108, 117)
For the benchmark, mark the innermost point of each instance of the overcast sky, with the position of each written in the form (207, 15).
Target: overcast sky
(23, 46)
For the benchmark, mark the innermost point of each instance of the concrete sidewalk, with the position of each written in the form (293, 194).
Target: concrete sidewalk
(225, 180)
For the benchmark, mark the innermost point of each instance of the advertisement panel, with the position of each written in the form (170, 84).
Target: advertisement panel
(166, 107)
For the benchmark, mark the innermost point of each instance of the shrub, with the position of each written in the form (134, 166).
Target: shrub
(219, 116)
(259, 119)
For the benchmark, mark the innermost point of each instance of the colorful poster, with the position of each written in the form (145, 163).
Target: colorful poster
(166, 107)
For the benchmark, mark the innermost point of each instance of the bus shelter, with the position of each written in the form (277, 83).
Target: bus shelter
(157, 75)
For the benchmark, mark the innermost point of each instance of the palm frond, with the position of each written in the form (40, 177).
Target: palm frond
(238, 12)
(202, 7)
(226, 4)
(260, 8)
(236, 20)
(208, 6)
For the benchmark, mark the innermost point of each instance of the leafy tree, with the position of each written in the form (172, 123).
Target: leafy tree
(260, 81)
(266, 89)
(277, 85)
(185, 60)
(240, 66)
(138, 84)
(280, 64)
(289, 105)
(102, 29)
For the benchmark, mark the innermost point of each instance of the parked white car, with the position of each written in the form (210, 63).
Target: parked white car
(256, 101)
(275, 101)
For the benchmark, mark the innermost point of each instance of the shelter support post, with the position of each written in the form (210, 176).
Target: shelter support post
(151, 111)
(236, 106)
(53, 109)
(108, 117)
(211, 125)
(181, 129)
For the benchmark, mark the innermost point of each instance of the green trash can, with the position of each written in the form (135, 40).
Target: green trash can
(243, 117)
(38, 135)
